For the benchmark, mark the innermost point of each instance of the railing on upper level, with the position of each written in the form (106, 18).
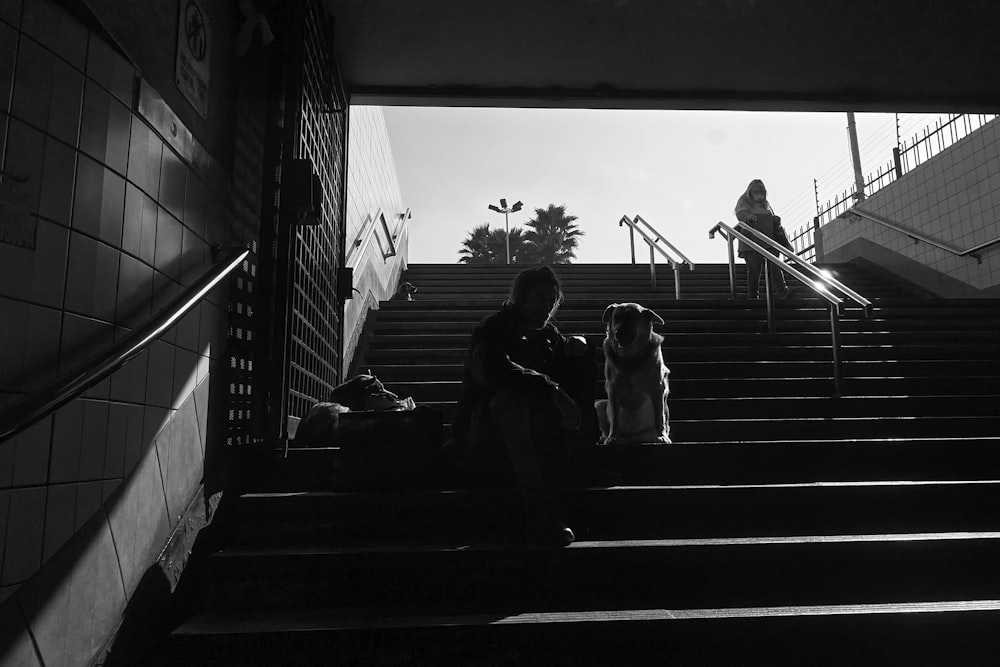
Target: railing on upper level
(367, 232)
(652, 239)
(819, 281)
(34, 407)
(854, 214)
(907, 155)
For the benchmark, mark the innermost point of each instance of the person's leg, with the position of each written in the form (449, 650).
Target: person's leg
(778, 284)
(755, 263)
(513, 413)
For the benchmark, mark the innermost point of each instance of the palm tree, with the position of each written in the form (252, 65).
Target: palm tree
(488, 246)
(553, 236)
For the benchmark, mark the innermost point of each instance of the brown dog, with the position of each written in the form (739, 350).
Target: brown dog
(635, 378)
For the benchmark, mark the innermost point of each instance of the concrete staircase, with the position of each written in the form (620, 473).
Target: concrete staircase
(783, 526)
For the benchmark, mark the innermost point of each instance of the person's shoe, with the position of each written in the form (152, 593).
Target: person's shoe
(544, 528)
(784, 292)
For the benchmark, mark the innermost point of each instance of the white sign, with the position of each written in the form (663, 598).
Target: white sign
(194, 50)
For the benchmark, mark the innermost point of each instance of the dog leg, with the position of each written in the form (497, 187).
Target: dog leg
(612, 438)
(601, 407)
(661, 414)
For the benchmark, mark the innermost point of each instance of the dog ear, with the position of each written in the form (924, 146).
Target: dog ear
(651, 315)
(607, 313)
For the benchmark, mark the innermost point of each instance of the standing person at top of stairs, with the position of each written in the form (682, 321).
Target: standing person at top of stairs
(526, 408)
(752, 208)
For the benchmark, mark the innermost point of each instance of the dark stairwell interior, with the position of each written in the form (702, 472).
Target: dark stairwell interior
(783, 524)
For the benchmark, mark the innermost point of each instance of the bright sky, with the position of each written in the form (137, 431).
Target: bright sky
(680, 170)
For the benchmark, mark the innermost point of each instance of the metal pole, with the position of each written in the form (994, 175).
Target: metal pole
(677, 281)
(769, 297)
(897, 162)
(859, 179)
(835, 334)
(506, 224)
(732, 270)
(652, 266)
(631, 241)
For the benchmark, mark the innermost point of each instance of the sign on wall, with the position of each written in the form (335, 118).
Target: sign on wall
(194, 49)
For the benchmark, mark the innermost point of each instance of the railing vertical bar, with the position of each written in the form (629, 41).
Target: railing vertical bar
(835, 335)
(652, 266)
(771, 327)
(631, 241)
(677, 281)
(732, 269)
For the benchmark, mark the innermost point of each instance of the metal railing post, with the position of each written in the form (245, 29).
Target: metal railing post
(652, 266)
(769, 298)
(631, 242)
(835, 334)
(732, 269)
(677, 281)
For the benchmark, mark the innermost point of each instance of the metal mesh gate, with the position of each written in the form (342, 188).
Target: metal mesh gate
(307, 124)
(314, 319)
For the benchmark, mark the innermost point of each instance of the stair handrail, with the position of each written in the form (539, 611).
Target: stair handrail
(34, 407)
(652, 242)
(817, 274)
(918, 237)
(368, 230)
(819, 286)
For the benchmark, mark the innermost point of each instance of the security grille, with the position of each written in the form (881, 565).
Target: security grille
(298, 263)
(314, 354)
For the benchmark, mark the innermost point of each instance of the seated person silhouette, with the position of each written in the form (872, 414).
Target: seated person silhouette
(526, 410)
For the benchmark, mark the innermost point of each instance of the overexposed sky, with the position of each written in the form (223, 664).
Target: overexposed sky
(680, 170)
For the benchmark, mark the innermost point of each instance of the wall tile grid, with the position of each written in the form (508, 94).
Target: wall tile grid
(954, 197)
(371, 184)
(102, 223)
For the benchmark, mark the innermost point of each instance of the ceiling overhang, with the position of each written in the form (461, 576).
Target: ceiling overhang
(801, 55)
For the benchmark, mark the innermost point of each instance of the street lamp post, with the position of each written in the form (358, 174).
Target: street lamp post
(503, 208)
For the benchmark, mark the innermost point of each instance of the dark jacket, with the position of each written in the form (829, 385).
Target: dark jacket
(500, 358)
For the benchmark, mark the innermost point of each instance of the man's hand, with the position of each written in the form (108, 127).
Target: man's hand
(576, 346)
(569, 411)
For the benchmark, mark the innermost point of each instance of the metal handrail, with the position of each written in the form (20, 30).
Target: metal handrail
(918, 237)
(368, 230)
(675, 264)
(35, 407)
(821, 285)
(816, 274)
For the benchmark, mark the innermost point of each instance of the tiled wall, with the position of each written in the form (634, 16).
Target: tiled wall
(371, 184)
(101, 222)
(953, 198)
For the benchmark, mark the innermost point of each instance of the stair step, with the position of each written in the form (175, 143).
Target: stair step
(735, 337)
(416, 372)
(813, 387)
(929, 632)
(312, 469)
(622, 513)
(724, 572)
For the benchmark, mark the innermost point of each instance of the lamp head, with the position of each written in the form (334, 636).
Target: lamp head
(503, 203)
(494, 208)
(517, 207)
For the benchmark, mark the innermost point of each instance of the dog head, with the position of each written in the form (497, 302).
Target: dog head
(630, 325)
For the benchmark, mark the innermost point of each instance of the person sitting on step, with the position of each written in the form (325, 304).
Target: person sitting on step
(526, 409)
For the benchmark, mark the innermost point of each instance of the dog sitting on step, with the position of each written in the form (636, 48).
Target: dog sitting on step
(635, 378)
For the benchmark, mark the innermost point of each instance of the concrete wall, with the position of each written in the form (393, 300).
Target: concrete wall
(371, 185)
(953, 198)
(109, 203)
